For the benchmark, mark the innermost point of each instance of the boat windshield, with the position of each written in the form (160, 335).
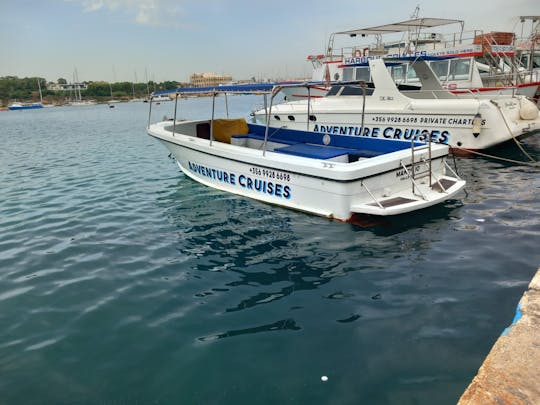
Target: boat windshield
(525, 61)
(350, 90)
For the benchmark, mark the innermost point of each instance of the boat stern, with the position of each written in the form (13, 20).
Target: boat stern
(420, 182)
(521, 116)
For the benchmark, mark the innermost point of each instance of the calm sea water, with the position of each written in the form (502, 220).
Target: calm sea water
(124, 282)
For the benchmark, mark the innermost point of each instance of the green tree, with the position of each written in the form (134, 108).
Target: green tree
(11, 88)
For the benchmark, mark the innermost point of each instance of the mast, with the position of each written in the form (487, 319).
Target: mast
(77, 86)
(133, 84)
(40, 94)
(147, 87)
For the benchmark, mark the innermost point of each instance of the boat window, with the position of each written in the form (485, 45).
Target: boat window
(347, 74)
(398, 73)
(440, 68)
(362, 73)
(459, 69)
(276, 117)
(411, 75)
(355, 91)
(524, 61)
(334, 90)
(290, 117)
(481, 59)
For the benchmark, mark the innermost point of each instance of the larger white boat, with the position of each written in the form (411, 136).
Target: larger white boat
(473, 122)
(331, 175)
(481, 63)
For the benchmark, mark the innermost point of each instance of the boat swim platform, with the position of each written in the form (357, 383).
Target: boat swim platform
(510, 373)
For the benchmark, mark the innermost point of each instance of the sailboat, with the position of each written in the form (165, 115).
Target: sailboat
(112, 101)
(27, 106)
(77, 92)
(134, 98)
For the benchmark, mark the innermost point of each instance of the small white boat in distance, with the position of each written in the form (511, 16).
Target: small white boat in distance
(331, 175)
(469, 121)
(82, 103)
(157, 98)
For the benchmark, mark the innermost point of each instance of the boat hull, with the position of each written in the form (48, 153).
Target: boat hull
(25, 107)
(450, 122)
(378, 186)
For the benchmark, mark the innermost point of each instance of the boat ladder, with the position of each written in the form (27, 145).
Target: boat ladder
(496, 63)
(420, 168)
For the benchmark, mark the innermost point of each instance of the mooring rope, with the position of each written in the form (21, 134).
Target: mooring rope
(533, 163)
(521, 147)
(511, 133)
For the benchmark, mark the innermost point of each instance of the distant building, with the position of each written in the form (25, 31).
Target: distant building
(209, 79)
(67, 86)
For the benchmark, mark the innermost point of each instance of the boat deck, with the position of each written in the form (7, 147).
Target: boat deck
(315, 151)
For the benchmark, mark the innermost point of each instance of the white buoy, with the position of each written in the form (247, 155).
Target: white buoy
(527, 109)
(324, 378)
(477, 124)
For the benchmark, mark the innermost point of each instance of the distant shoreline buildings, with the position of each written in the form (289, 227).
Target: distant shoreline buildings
(209, 79)
(67, 86)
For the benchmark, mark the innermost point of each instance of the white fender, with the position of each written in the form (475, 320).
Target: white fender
(527, 109)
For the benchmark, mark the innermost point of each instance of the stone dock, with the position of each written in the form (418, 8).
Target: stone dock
(510, 373)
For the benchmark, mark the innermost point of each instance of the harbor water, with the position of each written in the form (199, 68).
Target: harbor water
(122, 281)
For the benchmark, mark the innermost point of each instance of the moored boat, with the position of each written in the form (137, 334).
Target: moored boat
(28, 106)
(158, 98)
(469, 122)
(487, 63)
(330, 175)
(24, 106)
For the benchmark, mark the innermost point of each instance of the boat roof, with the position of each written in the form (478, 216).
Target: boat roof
(402, 26)
(234, 88)
(257, 88)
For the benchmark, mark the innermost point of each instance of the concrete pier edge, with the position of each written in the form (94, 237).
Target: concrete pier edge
(510, 374)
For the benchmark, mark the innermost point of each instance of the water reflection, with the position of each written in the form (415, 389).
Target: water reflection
(392, 225)
(285, 324)
(253, 263)
(252, 255)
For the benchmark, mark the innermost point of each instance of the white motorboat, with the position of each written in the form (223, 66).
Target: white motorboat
(158, 98)
(469, 122)
(331, 175)
(82, 103)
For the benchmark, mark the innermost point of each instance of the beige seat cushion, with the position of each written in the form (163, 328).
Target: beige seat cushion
(223, 129)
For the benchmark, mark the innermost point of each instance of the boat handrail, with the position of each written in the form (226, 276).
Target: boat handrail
(412, 180)
(275, 91)
(456, 93)
(174, 120)
(371, 195)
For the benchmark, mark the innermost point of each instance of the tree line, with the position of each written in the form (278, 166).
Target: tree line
(27, 90)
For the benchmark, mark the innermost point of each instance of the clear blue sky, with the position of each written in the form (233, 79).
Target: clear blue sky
(113, 40)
